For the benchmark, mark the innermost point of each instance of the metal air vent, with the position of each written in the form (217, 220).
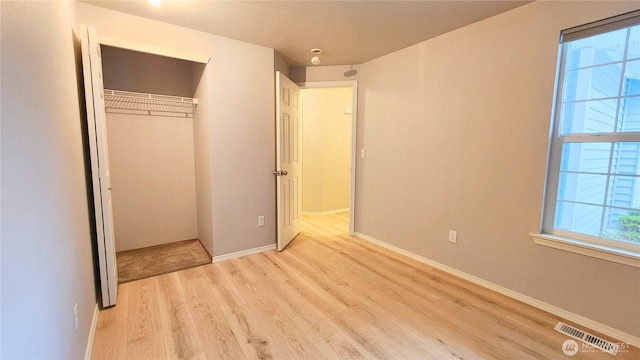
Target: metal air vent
(591, 340)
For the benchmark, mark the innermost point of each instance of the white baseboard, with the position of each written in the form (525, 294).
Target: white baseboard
(92, 333)
(242, 253)
(578, 319)
(324, 212)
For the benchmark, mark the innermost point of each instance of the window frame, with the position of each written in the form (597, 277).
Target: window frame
(609, 249)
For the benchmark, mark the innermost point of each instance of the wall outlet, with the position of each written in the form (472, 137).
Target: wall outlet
(261, 220)
(453, 236)
(75, 315)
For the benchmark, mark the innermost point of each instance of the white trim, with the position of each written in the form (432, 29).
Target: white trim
(92, 333)
(354, 138)
(589, 249)
(128, 45)
(321, 213)
(237, 254)
(567, 315)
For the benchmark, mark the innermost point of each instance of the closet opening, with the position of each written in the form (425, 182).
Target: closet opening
(151, 109)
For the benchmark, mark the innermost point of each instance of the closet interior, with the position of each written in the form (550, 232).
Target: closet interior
(151, 105)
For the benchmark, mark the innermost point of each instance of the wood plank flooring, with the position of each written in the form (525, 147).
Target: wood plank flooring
(327, 296)
(161, 259)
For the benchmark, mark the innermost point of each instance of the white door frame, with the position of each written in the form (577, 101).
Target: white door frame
(353, 84)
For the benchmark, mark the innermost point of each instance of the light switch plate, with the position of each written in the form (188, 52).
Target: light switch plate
(453, 236)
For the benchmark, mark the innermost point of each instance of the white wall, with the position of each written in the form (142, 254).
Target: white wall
(46, 260)
(153, 179)
(238, 84)
(326, 149)
(456, 131)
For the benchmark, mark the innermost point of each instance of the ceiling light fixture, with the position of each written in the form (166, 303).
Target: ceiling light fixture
(155, 3)
(315, 60)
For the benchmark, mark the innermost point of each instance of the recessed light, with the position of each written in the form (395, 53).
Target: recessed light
(155, 3)
(315, 60)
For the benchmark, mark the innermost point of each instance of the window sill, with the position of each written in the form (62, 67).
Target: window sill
(580, 247)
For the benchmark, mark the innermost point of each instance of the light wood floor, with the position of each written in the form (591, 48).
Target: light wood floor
(327, 296)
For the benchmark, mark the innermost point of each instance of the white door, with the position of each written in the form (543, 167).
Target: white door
(287, 159)
(97, 129)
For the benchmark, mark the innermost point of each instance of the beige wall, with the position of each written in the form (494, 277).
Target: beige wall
(326, 149)
(153, 179)
(202, 162)
(456, 132)
(47, 256)
(280, 64)
(234, 178)
(136, 71)
(324, 73)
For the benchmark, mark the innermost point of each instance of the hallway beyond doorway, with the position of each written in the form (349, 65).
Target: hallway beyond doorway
(326, 225)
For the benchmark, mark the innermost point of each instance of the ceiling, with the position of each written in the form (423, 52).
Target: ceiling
(349, 32)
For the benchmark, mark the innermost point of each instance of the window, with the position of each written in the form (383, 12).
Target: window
(593, 180)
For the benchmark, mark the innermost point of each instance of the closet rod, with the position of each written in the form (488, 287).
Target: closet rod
(149, 103)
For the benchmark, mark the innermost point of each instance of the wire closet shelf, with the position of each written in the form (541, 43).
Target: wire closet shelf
(149, 104)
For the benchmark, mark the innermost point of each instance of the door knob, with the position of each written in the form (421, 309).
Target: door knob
(280, 173)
